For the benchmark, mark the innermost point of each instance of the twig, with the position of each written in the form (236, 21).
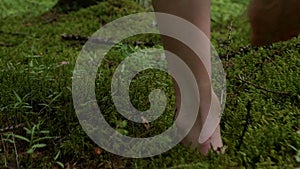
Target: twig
(10, 128)
(262, 88)
(50, 20)
(16, 152)
(14, 33)
(147, 132)
(259, 66)
(6, 44)
(74, 37)
(228, 46)
(99, 40)
(4, 149)
(247, 123)
(85, 38)
(111, 161)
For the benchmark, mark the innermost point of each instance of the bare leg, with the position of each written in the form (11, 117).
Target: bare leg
(198, 13)
(274, 20)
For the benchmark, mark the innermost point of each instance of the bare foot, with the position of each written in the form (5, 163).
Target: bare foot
(212, 141)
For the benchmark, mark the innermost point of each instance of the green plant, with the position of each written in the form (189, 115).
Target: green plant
(21, 102)
(297, 156)
(33, 80)
(34, 137)
(55, 159)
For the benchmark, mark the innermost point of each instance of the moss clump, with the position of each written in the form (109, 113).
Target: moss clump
(36, 81)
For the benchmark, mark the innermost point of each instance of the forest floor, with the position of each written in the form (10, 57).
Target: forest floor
(260, 124)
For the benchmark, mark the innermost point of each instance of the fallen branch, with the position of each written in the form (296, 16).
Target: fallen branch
(262, 88)
(99, 40)
(246, 125)
(228, 46)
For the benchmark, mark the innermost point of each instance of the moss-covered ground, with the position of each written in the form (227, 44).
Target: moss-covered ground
(260, 124)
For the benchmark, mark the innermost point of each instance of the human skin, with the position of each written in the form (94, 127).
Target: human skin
(273, 20)
(198, 13)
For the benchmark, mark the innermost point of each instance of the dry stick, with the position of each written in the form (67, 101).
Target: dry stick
(262, 88)
(228, 46)
(14, 33)
(4, 149)
(252, 73)
(247, 123)
(6, 44)
(85, 38)
(111, 161)
(16, 152)
(74, 37)
(11, 128)
(99, 40)
(259, 65)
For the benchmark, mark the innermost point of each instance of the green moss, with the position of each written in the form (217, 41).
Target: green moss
(266, 77)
